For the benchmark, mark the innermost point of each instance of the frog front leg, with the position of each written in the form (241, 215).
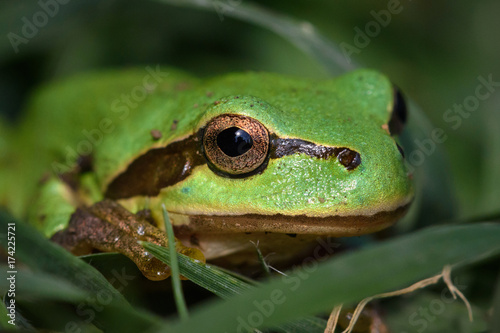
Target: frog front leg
(109, 227)
(81, 227)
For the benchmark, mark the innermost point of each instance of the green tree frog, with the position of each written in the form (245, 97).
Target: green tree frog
(234, 159)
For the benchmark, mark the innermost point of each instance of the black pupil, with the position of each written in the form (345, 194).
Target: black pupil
(234, 141)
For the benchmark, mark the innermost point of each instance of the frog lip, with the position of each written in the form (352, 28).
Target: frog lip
(336, 226)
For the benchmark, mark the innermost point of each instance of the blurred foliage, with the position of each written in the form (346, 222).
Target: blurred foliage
(308, 290)
(434, 51)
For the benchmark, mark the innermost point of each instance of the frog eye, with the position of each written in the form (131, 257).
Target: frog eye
(235, 145)
(399, 113)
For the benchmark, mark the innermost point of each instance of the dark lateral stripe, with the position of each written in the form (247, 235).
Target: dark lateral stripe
(284, 147)
(156, 169)
(162, 167)
(350, 159)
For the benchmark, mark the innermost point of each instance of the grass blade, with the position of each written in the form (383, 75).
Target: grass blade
(174, 267)
(42, 256)
(207, 276)
(301, 34)
(349, 278)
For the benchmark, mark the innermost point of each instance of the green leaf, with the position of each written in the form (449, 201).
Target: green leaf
(44, 286)
(106, 304)
(349, 278)
(226, 285)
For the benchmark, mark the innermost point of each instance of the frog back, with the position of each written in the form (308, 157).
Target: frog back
(71, 118)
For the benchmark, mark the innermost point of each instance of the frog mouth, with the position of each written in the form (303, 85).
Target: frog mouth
(335, 226)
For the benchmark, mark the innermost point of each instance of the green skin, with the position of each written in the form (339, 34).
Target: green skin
(350, 111)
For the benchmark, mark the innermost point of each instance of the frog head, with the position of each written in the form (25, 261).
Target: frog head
(273, 154)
